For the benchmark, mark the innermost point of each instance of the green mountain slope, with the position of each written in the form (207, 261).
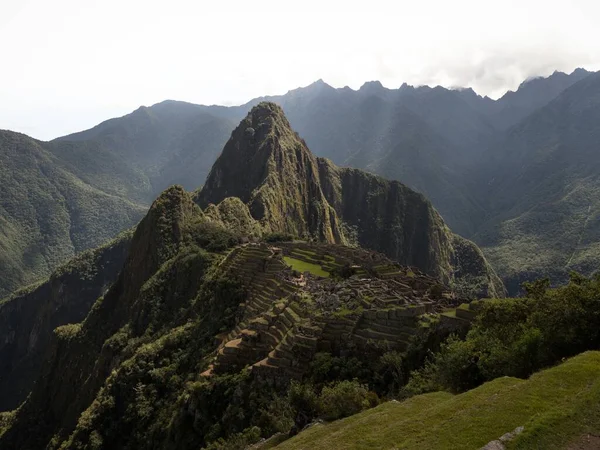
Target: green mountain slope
(48, 214)
(288, 190)
(433, 140)
(168, 143)
(134, 373)
(28, 317)
(531, 95)
(542, 191)
(554, 406)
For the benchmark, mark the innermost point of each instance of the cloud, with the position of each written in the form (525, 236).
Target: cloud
(68, 62)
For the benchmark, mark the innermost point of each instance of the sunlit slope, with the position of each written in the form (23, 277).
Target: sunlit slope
(555, 406)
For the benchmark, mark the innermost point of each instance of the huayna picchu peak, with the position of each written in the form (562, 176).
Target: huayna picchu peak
(288, 190)
(267, 166)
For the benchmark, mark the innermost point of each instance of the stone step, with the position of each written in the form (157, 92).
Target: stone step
(281, 325)
(308, 341)
(264, 363)
(376, 335)
(234, 343)
(466, 314)
(282, 353)
(259, 323)
(295, 307)
(397, 345)
(279, 334)
(288, 288)
(386, 328)
(291, 315)
(261, 302)
(278, 362)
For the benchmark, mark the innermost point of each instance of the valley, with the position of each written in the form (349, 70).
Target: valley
(269, 298)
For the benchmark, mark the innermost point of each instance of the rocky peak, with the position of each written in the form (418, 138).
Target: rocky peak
(287, 189)
(267, 166)
(372, 86)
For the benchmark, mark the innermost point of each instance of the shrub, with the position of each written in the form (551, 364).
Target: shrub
(517, 337)
(278, 237)
(344, 399)
(304, 400)
(214, 237)
(238, 441)
(345, 271)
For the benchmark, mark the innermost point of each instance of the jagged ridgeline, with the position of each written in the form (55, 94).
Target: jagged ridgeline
(287, 189)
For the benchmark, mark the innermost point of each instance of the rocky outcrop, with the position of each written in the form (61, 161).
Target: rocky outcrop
(234, 215)
(268, 167)
(287, 189)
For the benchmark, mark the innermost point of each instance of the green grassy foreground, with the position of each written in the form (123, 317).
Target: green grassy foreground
(303, 266)
(555, 406)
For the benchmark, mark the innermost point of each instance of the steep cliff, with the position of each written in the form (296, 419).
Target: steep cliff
(287, 189)
(28, 317)
(269, 168)
(192, 345)
(198, 338)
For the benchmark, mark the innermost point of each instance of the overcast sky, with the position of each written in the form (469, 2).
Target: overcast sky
(69, 64)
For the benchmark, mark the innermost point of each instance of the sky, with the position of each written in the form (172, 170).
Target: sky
(69, 64)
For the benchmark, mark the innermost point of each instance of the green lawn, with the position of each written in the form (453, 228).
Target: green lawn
(555, 406)
(303, 266)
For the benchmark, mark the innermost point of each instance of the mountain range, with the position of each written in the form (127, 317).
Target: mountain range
(204, 260)
(464, 152)
(285, 290)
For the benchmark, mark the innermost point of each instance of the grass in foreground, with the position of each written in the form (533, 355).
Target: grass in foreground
(556, 406)
(303, 266)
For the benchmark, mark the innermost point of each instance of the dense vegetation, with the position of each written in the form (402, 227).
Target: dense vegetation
(558, 408)
(48, 214)
(517, 337)
(146, 341)
(29, 316)
(511, 339)
(541, 191)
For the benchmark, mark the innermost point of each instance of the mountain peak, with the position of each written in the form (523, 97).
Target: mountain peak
(268, 167)
(315, 87)
(580, 71)
(319, 83)
(371, 85)
(266, 110)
